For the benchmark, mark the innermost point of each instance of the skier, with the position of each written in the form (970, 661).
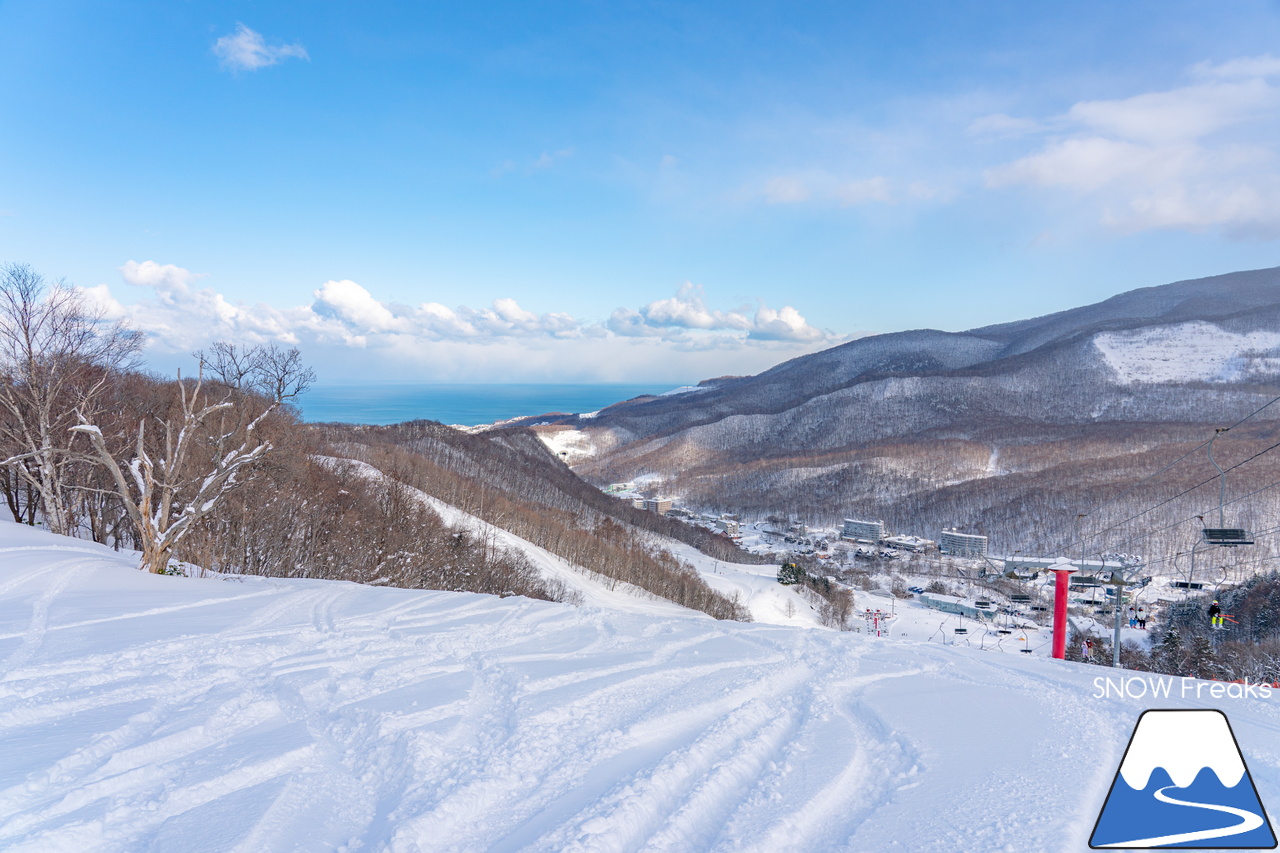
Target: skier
(1215, 615)
(1142, 618)
(1133, 617)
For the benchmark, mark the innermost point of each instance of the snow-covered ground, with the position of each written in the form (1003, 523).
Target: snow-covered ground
(148, 713)
(1186, 352)
(570, 444)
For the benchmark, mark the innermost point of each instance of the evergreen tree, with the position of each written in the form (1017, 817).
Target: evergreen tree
(1167, 656)
(790, 573)
(1201, 660)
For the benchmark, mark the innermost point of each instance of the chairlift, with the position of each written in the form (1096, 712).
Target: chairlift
(1223, 536)
(962, 631)
(1227, 537)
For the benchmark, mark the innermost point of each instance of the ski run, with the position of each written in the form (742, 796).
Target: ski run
(152, 713)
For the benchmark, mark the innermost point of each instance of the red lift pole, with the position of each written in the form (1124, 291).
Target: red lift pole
(1062, 571)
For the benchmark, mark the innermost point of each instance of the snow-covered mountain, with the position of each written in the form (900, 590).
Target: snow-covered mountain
(924, 411)
(262, 715)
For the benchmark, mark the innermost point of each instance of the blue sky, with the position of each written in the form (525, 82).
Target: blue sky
(626, 192)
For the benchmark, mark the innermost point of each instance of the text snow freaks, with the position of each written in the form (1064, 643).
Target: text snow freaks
(1166, 686)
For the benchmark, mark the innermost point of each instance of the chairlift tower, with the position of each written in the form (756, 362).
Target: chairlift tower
(1125, 574)
(1062, 572)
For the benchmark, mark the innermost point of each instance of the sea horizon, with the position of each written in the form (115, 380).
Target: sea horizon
(463, 404)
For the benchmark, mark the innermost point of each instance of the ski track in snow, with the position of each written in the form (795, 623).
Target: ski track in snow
(271, 715)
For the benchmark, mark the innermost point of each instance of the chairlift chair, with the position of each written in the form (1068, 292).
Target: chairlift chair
(1226, 537)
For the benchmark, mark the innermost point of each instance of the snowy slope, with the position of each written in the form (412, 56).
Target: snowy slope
(1186, 352)
(145, 713)
(588, 587)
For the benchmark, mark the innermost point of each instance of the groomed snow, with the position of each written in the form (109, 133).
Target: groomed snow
(148, 713)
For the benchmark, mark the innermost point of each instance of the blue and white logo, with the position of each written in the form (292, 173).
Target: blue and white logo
(1183, 783)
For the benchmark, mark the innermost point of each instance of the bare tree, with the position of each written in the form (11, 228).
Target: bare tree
(209, 446)
(57, 355)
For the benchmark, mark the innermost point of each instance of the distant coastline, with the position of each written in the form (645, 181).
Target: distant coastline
(463, 404)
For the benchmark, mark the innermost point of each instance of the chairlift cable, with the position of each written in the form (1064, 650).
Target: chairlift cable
(1189, 453)
(1183, 493)
(1194, 516)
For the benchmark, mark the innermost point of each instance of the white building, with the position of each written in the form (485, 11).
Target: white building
(959, 544)
(862, 531)
(908, 543)
(659, 505)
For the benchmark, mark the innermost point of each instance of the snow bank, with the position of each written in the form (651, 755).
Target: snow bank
(141, 712)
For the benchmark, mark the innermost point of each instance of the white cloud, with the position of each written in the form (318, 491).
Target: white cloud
(999, 124)
(631, 324)
(344, 317)
(1090, 163)
(785, 324)
(1179, 115)
(247, 50)
(1244, 66)
(354, 306)
(688, 310)
(786, 190)
(1197, 157)
(164, 278)
(548, 159)
(821, 187)
(686, 320)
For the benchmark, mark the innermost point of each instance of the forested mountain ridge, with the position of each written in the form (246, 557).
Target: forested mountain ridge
(1237, 303)
(917, 427)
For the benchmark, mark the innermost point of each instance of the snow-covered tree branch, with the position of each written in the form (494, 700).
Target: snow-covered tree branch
(201, 452)
(57, 357)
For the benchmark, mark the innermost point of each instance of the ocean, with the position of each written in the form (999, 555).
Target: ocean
(467, 405)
